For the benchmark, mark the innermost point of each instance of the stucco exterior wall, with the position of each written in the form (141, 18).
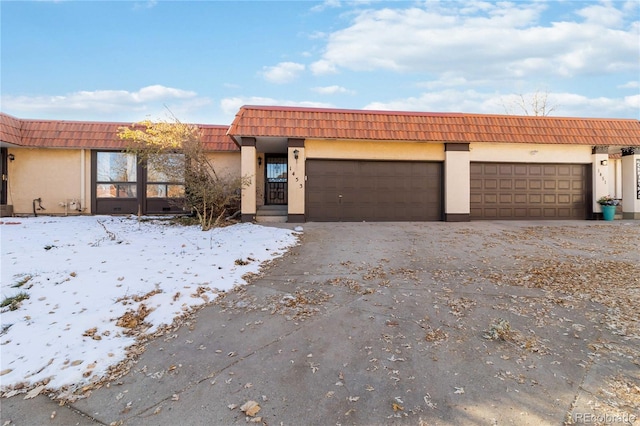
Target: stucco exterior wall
(57, 176)
(615, 177)
(457, 175)
(530, 153)
(248, 168)
(296, 181)
(225, 163)
(260, 178)
(374, 150)
(630, 185)
(60, 176)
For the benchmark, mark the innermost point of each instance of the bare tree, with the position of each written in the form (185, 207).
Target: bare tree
(536, 104)
(175, 150)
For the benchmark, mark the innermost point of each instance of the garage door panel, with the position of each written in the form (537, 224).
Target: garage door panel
(535, 184)
(520, 213)
(374, 190)
(520, 170)
(520, 184)
(535, 198)
(490, 184)
(529, 191)
(506, 183)
(505, 169)
(534, 170)
(490, 170)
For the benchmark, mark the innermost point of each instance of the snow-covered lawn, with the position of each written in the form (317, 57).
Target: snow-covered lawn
(92, 280)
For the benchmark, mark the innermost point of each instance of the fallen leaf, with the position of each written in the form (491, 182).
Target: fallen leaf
(397, 407)
(34, 392)
(250, 408)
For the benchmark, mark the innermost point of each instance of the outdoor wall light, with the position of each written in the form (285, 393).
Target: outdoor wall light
(296, 153)
(604, 162)
(11, 157)
(259, 161)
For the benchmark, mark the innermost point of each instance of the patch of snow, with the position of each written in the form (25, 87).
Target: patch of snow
(86, 272)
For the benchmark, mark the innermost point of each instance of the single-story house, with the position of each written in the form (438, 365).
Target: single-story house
(313, 164)
(75, 167)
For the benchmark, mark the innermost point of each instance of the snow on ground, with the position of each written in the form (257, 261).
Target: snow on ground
(83, 274)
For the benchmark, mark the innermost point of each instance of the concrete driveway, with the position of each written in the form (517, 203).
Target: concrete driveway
(523, 323)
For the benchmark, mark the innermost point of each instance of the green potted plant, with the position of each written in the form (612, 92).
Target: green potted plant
(608, 205)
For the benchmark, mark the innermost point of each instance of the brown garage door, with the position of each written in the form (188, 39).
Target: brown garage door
(530, 191)
(352, 191)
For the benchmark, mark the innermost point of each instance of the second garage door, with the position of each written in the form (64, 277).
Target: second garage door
(349, 191)
(530, 191)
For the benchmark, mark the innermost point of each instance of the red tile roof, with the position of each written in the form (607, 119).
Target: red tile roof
(90, 135)
(320, 123)
(9, 129)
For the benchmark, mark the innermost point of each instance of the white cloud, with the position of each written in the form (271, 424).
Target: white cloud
(633, 103)
(323, 67)
(326, 4)
(230, 106)
(94, 105)
(472, 101)
(630, 85)
(501, 39)
(605, 15)
(150, 4)
(284, 72)
(332, 90)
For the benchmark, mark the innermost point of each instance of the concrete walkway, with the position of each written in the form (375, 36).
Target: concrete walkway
(400, 323)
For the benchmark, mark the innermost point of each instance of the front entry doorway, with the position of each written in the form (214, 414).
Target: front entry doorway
(275, 180)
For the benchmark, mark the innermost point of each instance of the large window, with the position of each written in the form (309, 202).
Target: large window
(165, 176)
(116, 175)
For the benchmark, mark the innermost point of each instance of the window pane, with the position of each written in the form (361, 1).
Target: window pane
(160, 190)
(175, 191)
(106, 191)
(116, 167)
(156, 191)
(127, 191)
(166, 168)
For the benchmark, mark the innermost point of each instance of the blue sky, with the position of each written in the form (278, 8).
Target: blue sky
(128, 61)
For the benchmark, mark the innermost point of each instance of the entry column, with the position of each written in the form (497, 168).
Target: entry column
(248, 169)
(296, 180)
(599, 176)
(631, 183)
(457, 180)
